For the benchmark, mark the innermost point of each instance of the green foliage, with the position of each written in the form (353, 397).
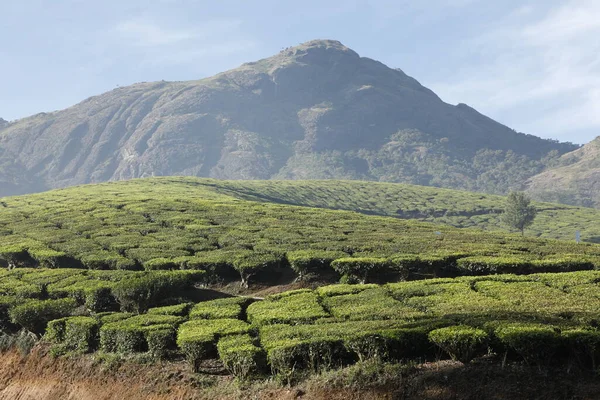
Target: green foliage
(197, 339)
(34, 315)
(359, 269)
(536, 343)
(250, 263)
(180, 310)
(187, 223)
(298, 308)
(462, 343)
(230, 307)
(304, 262)
(139, 293)
(519, 213)
(583, 345)
(139, 334)
(77, 334)
(241, 356)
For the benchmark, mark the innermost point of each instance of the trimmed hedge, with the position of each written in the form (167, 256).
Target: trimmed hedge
(197, 339)
(304, 262)
(241, 356)
(140, 293)
(583, 345)
(493, 265)
(360, 269)
(536, 343)
(78, 334)
(34, 315)
(462, 343)
(297, 308)
(231, 307)
(180, 310)
(249, 264)
(131, 335)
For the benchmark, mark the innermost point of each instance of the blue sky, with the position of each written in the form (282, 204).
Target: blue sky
(532, 65)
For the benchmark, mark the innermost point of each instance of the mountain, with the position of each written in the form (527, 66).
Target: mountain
(574, 180)
(317, 110)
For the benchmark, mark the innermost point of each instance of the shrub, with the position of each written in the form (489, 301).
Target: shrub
(47, 258)
(139, 293)
(160, 264)
(462, 343)
(180, 310)
(161, 340)
(250, 263)
(231, 307)
(34, 315)
(16, 256)
(130, 335)
(564, 263)
(304, 262)
(6, 302)
(342, 289)
(536, 343)
(369, 304)
(493, 265)
(96, 295)
(298, 308)
(55, 331)
(241, 356)
(583, 346)
(359, 268)
(81, 334)
(197, 339)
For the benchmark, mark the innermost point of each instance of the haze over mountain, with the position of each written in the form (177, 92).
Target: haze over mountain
(317, 110)
(574, 180)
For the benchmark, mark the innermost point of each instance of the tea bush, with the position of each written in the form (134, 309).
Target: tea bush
(462, 343)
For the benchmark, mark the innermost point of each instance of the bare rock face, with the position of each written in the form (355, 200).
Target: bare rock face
(314, 110)
(574, 180)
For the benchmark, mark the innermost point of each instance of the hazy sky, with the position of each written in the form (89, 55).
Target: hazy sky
(532, 65)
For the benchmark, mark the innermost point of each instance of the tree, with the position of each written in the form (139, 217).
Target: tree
(519, 213)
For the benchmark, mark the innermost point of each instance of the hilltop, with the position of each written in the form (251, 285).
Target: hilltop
(313, 111)
(574, 180)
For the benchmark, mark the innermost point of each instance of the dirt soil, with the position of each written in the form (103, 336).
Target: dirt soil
(42, 377)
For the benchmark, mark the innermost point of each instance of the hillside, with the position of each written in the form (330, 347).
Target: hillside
(190, 223)
(317, 110)
(131, 289)
(574, 180)
(452, 207)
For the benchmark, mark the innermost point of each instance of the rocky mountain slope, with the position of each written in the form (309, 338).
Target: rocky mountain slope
(317, 110)
(574, 180)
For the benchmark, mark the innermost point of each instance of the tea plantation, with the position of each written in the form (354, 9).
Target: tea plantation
(115, 268)
(192, 224)
(542, 319)
(424, 203)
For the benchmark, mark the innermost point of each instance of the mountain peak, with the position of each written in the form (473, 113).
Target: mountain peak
(323, 43)
(315, 51)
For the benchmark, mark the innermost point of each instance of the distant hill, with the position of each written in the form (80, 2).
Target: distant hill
(314, 111)
(460, 209)
(574, 180)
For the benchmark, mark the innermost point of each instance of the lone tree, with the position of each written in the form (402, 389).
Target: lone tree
(519, 213)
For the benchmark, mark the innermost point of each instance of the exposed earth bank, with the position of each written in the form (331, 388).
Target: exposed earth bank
(42, 377)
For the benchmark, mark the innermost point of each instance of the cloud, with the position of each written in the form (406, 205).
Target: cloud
(148, 33)
(541, 74)
(155, 43)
